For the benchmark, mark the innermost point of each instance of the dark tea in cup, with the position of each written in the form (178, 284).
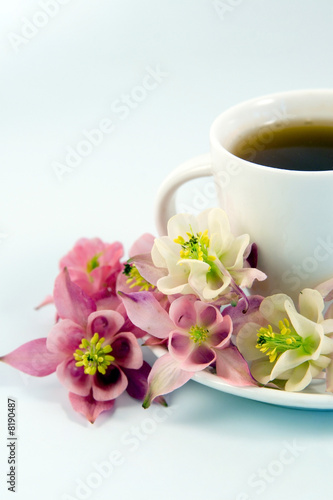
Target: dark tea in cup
(296, 147)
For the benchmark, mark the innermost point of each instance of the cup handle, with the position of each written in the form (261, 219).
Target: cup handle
(200, 166)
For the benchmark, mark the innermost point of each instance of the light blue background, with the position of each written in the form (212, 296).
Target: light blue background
(64, 79)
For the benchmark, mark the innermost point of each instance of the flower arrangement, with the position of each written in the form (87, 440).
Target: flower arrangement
(185, 291)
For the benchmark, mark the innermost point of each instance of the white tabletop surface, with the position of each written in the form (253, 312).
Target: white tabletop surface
(66, 67)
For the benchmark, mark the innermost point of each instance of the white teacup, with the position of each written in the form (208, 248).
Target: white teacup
(287, 213)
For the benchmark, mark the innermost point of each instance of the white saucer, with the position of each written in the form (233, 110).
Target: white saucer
(313, 397)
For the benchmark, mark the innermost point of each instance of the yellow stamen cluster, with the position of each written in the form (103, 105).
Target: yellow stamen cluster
(196, 247)
(135, 278)
(198, 334)
(273, 344)
(93, 356)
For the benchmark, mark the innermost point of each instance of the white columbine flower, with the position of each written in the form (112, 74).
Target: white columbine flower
(288, 347)
(202, 257)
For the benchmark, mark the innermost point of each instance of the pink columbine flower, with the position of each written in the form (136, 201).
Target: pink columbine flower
(94, 266)
(198, 336)
(91, 352)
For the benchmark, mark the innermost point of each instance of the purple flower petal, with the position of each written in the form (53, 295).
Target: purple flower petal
(151, 341)
(221, 332)
(180, 345)
(201, 357)
(183, 313)
(232, 367)
(326, 289)
(144, 244)
(48, 300)
(252, 255)
(33, 358)
(126, 350)
(147, 269)
(105, 323)
(110, 385)
(71, 301)
(88, 406)
(207, 315)
(128, 326)
(74, 378)
(239, 318)
(65, 337)
(145, 312)
(137, 381)
(166, 375)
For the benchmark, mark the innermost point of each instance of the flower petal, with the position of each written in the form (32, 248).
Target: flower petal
(137, 381)
(326, 289)
(300, 378)
(273, 308)
(327, 325)
(83, 250)
(200, 357)
(65, 337)
(233, 251)
(232, 367)
(252, 315)
(246, 276)
(206, 314)
(197, 279)
(177, 283)
(246, 341)
(251, 255)
(329, 376)
(74, 378)
(329, 312)
(110, 385)
(166, 375)
(147, 269)
(180, 224)
(182, 313)
(311, 305)
(105, 323)
(111, 254)
(146, 313)
(303, 326)
(88, 406)
(219, 334)
(99, 280)
(289, 360)
(142, 245)
(326, 344)
(151, 341)
(126, 350)
(33, 358)
(128, 326)
(180, 345)
(217, 222)
(71, 301)
(47, 300)
(261, 370)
